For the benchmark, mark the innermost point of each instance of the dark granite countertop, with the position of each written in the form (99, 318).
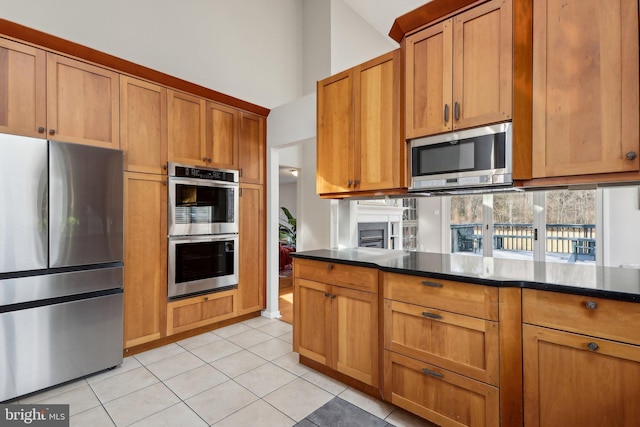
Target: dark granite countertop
(575, 278)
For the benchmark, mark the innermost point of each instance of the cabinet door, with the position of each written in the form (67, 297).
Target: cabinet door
(186, 127)
(482, 65)
(251, 148)
(143, 126)
(380, 148)
(355, 334)
(145, 258)
(251, 278)
(585, 87)
(222, 136)
(82, 103)
(22, 89)
(574, 380)
(312, 320)
(335, 134)
(429, 80)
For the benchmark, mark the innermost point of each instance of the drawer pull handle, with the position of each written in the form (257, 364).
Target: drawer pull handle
(432, 284)
(431, 315)
(333, 296)
(432, 373)
(593, 346)
(591, 305)
(329, 266)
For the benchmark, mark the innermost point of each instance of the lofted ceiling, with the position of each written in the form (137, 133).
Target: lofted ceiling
(380, 14)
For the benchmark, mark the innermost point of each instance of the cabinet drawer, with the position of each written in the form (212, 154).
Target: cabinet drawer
(438, 395)
(600, 317)
(464, 298)
(199, 311)
(362, 278)
(466, 345)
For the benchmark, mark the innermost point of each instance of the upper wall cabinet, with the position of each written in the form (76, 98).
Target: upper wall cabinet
(23, 109)
(82, 103)
(459, 71)
(187, 128)
(585, 87)
(251, 146)
(222, 136)
(360, 146)
(143, 125)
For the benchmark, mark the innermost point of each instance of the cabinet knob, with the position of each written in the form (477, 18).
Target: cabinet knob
(591, 305)
(349, 183)
(593, 346)
(355, 183)
(206, 298)
(164, 167)
(333, 296)
(164, 183)
(52, 131)
(41, 129)
(329, 266)
(326, 294)
(631, 155)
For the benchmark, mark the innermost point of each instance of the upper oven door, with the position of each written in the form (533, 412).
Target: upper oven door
(199, 207)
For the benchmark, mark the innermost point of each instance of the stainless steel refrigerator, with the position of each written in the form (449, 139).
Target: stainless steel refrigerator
(61, 262)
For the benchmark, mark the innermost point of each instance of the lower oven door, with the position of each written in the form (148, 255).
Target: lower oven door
(199, 264)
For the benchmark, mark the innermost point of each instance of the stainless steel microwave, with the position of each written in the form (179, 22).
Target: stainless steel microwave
(473, 158)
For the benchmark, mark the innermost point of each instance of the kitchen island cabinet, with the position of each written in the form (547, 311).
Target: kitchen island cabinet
(360, 138)
(143, 126)
(336, 318)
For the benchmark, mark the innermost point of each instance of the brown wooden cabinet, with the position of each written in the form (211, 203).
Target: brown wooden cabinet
(581, 360)
(143, 126)
(585, 87)
(190, 313)
(459, 71)
(251, 148)
(23, 108)
(222, 136)
(335, 321)
(360, 146)
(145, 258)
(251, 274)
(82, 103)
(186, 128)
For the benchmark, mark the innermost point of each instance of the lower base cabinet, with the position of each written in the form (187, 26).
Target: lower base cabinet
(190, 313)
(438, 395)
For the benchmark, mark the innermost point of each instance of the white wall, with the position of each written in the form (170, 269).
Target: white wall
(316, 42)
(289, 198)
(249, 49)
(621, 221)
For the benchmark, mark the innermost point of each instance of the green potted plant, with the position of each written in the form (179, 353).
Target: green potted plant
(287, 227)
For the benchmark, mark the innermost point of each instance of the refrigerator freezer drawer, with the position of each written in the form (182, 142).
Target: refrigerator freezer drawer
(52, 344)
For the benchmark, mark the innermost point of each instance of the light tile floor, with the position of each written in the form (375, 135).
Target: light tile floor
(240, 375)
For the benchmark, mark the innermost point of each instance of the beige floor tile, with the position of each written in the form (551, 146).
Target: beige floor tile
(120, 385)
(258, 414)
(179, 415)
(327, 383)
(259, 322)
(94, 417)
(290, 362)
(231, 330)
(249, 338)
(139, 405)
(276, 329)
(63, 388)
(174, 365)
(401, 418)
(216, 350)
(128, 364)
(159, 353)
(238, 363)
(199, 340)
(79, 399)
(288, 337)
(196, 381)
(372, 405)
(221, 401)
(271, 349)
(298, 399)
(265, 379)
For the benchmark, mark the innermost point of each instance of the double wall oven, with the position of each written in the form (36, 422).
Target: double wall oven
(203, 230)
